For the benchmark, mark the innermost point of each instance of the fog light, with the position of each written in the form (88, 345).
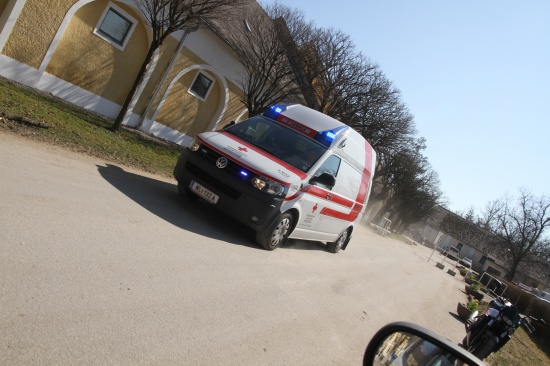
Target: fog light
(254, 218)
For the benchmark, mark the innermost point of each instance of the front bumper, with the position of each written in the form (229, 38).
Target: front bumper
(237, 197)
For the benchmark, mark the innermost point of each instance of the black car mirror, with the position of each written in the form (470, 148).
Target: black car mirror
(400, 344)
(324, 179)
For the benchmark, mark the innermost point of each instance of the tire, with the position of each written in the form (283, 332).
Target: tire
(335, 246)
(277, 233)
(484, 349)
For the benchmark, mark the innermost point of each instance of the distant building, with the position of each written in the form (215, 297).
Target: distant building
(477, 244)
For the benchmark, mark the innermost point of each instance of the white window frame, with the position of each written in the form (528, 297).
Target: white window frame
(207, 75)
(125, 15)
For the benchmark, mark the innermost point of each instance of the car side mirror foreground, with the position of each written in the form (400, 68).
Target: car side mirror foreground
(324, 179)
(399, 344)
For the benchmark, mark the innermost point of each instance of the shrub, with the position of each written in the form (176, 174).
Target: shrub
(473, 305)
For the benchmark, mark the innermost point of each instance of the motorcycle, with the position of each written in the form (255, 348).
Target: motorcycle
(490, 331)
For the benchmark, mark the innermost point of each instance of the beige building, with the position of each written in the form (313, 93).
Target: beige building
(89, 52)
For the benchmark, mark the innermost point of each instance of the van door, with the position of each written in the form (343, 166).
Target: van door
(343, 208)
(317, 198)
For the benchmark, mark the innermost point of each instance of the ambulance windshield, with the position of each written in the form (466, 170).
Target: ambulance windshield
(288, 145)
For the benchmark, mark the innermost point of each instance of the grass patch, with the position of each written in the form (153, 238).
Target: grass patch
(83, 131)
(522, 349)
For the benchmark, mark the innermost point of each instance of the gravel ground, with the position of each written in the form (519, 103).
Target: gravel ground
(105, 265)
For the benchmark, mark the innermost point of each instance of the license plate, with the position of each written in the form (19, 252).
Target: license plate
(203, 192)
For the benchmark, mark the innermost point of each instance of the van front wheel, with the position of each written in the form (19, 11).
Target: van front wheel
(276, 234)
(335, 246)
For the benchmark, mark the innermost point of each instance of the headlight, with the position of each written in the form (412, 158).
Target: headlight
(194, 145)
(269, 186)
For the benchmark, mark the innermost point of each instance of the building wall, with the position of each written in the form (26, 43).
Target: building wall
(34, 31)
(64, 57)
(3, 6)
(89, 62)
(186, 113)
(236, 111)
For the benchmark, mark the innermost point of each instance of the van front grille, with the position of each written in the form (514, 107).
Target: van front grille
(222, 187)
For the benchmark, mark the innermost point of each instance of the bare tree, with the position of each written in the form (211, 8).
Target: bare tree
(339, 81)
(268, 76)
(513, 230)
(330, 72)
(294, 31)
(409, 186)
(166, 17)
(487, 217)
(522, 228)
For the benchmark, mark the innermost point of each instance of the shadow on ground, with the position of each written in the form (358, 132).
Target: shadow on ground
(456, 317)
(162, 199)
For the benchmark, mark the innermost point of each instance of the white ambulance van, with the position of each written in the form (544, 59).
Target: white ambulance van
(292, 172)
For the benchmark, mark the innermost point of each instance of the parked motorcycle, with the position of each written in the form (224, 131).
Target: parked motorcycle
(491, 330)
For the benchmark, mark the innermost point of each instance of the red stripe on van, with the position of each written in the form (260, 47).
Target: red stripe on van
(322, 193)
(361, 195)
(356, 206)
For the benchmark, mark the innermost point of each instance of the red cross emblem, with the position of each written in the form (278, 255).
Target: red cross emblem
(314, 209)
(243, 149)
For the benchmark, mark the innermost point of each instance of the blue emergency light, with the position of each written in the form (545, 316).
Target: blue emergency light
(328, 136)
(274, 111)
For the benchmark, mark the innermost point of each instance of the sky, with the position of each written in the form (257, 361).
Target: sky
(476, 77)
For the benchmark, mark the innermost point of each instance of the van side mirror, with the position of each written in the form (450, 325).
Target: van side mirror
(324, 179)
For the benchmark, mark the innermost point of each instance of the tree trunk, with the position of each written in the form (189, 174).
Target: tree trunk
(135, 86)
(512, 273)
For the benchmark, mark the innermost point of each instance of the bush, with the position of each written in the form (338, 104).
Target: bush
(473, 305)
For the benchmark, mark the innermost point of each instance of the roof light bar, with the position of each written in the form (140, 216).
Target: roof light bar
(327, 137)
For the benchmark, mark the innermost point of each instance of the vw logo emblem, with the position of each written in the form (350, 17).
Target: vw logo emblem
(221, 162)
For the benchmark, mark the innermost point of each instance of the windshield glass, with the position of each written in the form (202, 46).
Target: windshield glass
(284, 143)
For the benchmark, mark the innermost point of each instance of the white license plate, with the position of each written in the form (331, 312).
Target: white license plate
(203, 192)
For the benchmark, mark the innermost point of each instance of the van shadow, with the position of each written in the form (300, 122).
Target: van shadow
(162, 199)
(304, 245)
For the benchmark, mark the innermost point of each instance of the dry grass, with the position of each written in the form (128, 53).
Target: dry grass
(522, 349)
(82, 131)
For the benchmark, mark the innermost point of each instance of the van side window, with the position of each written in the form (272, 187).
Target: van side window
(348, 182)
(331, 166)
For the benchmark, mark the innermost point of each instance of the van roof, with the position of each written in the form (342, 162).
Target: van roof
(307, 121)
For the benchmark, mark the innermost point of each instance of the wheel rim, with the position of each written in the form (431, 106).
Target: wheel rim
(341, 240)
(280, 231)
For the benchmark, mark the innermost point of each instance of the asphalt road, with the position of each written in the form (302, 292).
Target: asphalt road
(104, 265)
